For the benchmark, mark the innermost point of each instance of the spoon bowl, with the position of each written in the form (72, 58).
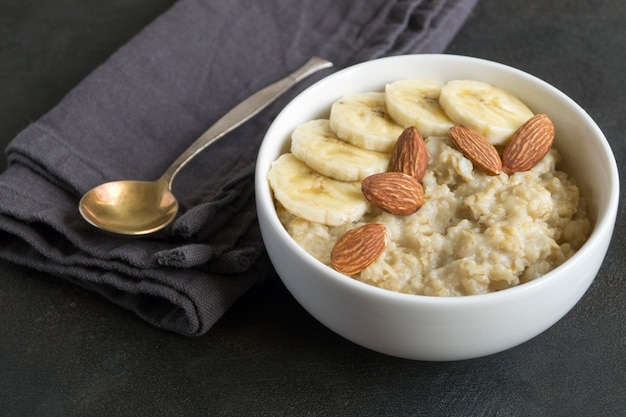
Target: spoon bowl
(143, 207)
(129, 207)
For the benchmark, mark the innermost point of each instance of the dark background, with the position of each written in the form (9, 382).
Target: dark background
(67, 352)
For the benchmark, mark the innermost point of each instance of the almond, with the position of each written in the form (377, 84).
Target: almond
(409, 154)
(528, 145)
(359, 248)
(394, 192)
(476, 148)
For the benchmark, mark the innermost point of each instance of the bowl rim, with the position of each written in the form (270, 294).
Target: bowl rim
(601, 227)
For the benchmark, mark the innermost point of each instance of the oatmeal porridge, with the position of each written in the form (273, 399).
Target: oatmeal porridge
(474, 233)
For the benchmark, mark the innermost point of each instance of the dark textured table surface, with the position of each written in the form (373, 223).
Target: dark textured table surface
(67, 352)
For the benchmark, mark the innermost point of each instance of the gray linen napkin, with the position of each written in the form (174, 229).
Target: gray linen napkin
(135, 113)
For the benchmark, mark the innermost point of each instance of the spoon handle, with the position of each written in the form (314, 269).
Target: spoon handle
(242, 113)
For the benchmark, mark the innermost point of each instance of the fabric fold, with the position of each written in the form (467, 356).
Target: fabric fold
(134, 114)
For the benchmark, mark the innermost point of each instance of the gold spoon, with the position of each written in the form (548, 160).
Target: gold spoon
(142, 207)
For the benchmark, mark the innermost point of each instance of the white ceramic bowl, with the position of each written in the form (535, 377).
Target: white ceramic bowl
(434, 328)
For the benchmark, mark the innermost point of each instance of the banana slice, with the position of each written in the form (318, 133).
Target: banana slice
(315, 144)
(415, 102)
(491, 111)
(362, 120)
(313, 196)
